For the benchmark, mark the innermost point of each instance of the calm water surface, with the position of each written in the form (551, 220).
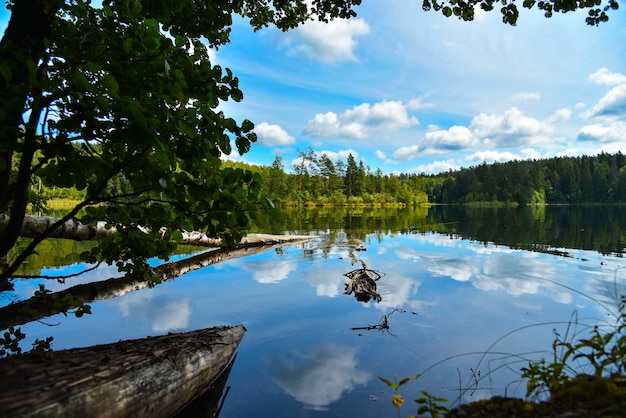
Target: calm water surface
(470, 296)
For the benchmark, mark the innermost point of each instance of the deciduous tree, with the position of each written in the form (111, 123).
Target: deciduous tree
(96, 93)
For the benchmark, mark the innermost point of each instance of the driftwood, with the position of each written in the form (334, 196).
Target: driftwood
(39, 307)
(363, 284)
(73, 229)
(383, 325)
(149, 377)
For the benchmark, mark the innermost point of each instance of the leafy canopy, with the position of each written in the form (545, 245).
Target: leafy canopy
(119, 100)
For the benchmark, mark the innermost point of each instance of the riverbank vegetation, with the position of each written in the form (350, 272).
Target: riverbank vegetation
(315, 180)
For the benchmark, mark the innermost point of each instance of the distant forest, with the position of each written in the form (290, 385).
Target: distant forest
(559, 180)
(318, 181)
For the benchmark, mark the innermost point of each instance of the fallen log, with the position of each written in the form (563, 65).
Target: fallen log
(149, 377)
(73, 229)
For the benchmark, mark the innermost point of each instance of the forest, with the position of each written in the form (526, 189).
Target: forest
(318, 181)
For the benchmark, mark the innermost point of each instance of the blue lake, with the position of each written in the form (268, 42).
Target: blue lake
(463, 311)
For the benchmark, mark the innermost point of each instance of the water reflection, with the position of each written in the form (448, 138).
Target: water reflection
(460, 289)
(271, 271)
(321, 376)
(161, 312)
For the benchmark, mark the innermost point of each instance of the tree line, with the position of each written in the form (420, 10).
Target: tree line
(558, 180)
(316, 180)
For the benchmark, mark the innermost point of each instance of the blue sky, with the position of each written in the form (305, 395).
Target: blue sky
(409, 91)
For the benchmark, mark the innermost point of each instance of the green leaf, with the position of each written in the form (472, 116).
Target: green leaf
(447, 11)
(388, 383)
(177, 235)
(80, 81)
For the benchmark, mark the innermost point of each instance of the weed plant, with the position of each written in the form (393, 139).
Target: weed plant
(586, 372)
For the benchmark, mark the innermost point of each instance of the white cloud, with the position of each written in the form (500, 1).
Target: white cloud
(360, 120)
(492, 156)
(561, 115)
(455, 138)
(381, 154)
(510, 129)
(328, 42)
(406, 153)
(416, 104)
(339, 155)
(614, 132)
(435, 167)
(531, 153)
(605, 77)
(272, 135)
(526, 96)
(611, 105)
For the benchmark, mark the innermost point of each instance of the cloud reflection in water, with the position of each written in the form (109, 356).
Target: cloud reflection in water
(270, 271)
(163, 314)
(320, 377)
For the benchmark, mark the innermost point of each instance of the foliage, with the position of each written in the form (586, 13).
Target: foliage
(603, 354)
(434, 405)
(465, 9)
(44, 298)
(427, 403)
(115, 103)
(396, 399)
(9, 343)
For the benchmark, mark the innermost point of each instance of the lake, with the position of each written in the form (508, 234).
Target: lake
(469, 295)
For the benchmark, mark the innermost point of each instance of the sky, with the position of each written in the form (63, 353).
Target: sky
(409, 91)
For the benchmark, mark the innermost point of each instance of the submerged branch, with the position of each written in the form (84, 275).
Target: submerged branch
(45, 305)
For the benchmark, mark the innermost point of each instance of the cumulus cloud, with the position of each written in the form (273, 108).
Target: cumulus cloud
(381, 154)
(359, 121)
(272, 135)
(328, 42)
(614, 132)
(607, 78)
(455, 138)
(510, 129)
(406, 153)
(612, 105)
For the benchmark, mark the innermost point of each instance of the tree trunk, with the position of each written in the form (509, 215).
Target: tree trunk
(21, 49)
(34, 226)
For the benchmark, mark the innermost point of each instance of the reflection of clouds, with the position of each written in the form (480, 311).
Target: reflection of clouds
(329, 282)
(163, 314)
(321, 376)
(270, 271)
(174, 314)
(457, 269)
(491, 268)
(396, 291)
